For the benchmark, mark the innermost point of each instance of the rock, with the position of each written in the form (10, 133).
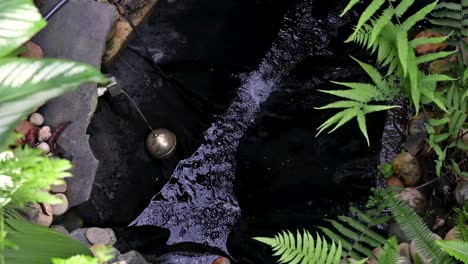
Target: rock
(417, 124)
(407, 167)
(120, 262)
(41, 214)
(404, 250)
(415, 199)
(97, 235)
(415, 143)
(395, 230)
(60, 209)
(221, 260)
(461, 192)
(465, 136)
(376, 252)
(44, 134)
(441, 66)
(59, 188)
(44, 147)
(429, 48)
(32, 51)
(452, 234)
(404, 260)
(132, 257)
(113, 237)
(36, 119)
(415, 251)
(60, 229)
(70, 220)
(63, 39)
(80, 235)
(133, 5)
(394, 182)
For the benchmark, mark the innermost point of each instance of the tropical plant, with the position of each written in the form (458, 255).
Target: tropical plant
(455, 248)
(389, 253)
(386, 34)
(356, 234)
(25, 173)
(303, 248)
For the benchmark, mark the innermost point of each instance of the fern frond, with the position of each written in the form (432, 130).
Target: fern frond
(461, 220)
(356, 234)
(303, 248)
(389, 253)
(415, 229)
(455, 248)
(368, 13)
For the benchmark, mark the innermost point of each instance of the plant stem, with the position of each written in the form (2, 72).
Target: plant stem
(2, 237)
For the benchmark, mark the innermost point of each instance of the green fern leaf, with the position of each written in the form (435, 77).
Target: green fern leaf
(389, 253)
(350, 5)
(350, 113)
(402, 46)
(340, 104)
(455, 248)
(460, 220)
(446, 22)
(303, 248)
(415, 229)
(376, 108)
(403, 7)
(418, 16)
(447, 13)
(368, 13)
(361, 118)
(448, 5)
(413, 82)
(380, 23)
(421, 41)
(434, 56)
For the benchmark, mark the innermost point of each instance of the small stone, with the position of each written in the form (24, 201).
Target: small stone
(221, 260)
(80, 235)
(41, 214)
(429, 48)
(452, 234)
(97, 235)
(36, 119)
(113, 237)
(418, 124)
(465, 136)
(60, 209)
(44, 147)
(394, 182)
(376, 252)
(59, 188)
(32, 51)
(461, 192)
(44, 134)
(395, 230)
(404, 260)
(407, 167)
(60, 229)
(404, 250)
(415, 199)
(132, 257)
(415, 251)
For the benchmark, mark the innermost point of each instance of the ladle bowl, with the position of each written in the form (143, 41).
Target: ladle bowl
(161, 143)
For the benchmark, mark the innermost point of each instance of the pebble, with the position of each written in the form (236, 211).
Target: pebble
(60, 209)
(79, 234)
(415, 199)
(132, 257)
(60, 229)
(36, 119)
(96, 247)
(44, 147)
(221, 260)
(97, 235)
(32, 51)
(404, 250)
(41, 215)
(44, 134)
(452, 234)
(407, 167)
(394, 182)
(461, 192)
(59, 188)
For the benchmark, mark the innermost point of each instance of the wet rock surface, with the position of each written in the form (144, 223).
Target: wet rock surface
(78, 32)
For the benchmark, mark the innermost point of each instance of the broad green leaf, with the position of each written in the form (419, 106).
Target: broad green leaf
(37, 244)
(376, 108)
(465, 74)
(372, 72)
(349, 114)
(380, 23)
(402, 46)
(340, 104)
(418, 16)
(19, 21)
(350, 5)
(434, 56)
(421, 41)
(403, 6)
(27, 83)
(439, 122)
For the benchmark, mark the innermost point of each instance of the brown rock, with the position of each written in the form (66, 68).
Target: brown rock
(23, 127)
(59, 188)
(407, 167)
(37, 119)
(94, 248)
(429, 48)
(41, 214)
(60, 209)
(461, 192)
(44, 134)
(221, 260)
(452, 234)
(404, 250)
(394, 182)
(44, 147)
(32, 51)
(97, 235)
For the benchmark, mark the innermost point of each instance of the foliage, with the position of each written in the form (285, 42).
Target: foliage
(455, 248)
(303, 248)
(24, 173)
(389, 253)
(386, 35)
(356, 235)
(461, 221)
(386, 169)
(415, 229)
(103, 254)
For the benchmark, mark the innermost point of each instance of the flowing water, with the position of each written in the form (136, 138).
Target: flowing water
(199, 204)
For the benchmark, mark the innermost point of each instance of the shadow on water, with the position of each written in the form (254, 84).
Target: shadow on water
(285, 177)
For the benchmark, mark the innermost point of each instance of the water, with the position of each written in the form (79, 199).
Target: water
(199, 204)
